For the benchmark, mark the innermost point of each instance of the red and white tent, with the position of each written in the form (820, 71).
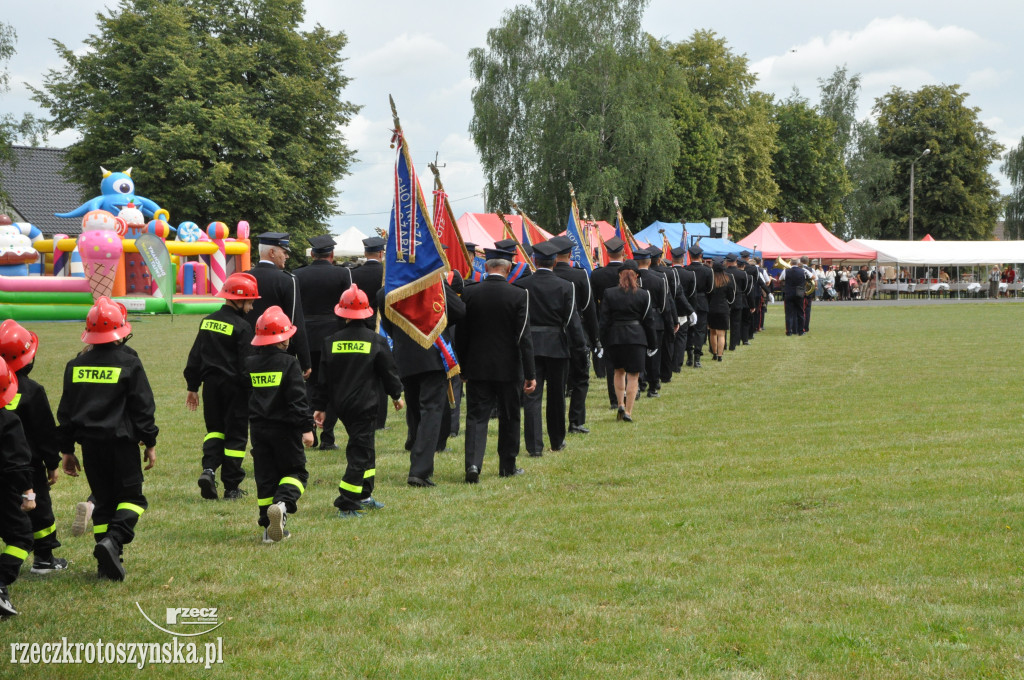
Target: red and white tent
(484, 229)
(796, 239)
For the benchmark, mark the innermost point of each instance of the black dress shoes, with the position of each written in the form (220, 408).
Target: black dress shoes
(515, 473)
(579, 429)
(472, 474)
(560, 447)
(418, 481)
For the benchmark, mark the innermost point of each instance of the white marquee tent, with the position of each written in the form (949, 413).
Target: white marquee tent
(944, 253)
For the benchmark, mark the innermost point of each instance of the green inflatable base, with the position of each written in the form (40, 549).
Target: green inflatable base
(44, 308)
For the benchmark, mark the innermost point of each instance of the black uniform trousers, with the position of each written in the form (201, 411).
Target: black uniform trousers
(481, 397)
(456, 411)
(553, 372)
(114, 471)
(697, 335)
(682, 341)
(426, 398)
(279, 466)
(806, 319)
(794, 315)
(650, 378)
(44, 525)
(579, 385)
(330, 415)
(667, 354)
(15, 531)
(735, 327)
(226, 412)
(748, 324)
(360, 453)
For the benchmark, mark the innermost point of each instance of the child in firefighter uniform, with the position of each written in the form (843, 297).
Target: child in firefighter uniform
(356, 367)
(16, 494)
(217, 362)
(107, 408)
(18, 348)
(280, 422)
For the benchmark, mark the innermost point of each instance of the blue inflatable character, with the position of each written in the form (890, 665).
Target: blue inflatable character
(118, 191)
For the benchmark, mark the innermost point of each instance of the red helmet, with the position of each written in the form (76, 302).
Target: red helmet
(353, 304)
(17, 344)
(273, 327)
(240, 286)
(8, 384)
(107, 321)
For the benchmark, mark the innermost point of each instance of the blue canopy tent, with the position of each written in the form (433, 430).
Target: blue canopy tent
(713, 247)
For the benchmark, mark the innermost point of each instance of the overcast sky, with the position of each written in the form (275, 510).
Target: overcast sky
(416, 51)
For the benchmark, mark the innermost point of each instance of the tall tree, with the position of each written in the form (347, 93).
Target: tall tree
(808, 165)
(1013, 168)
(225, 109)
(871, 205)
(12, 129)
(742, 125)
(572, 90)
(956, 196)
(839, 93)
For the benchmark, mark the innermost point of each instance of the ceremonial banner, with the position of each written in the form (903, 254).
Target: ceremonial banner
(685, 244)
(158, 261)
(447, 229)
(622, 232)
(414, 260)
(574, 232)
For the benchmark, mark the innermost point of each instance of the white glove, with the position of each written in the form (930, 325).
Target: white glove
(771, 299)
(680, 320)
(652, 352)
(600, 352)
(693, 319)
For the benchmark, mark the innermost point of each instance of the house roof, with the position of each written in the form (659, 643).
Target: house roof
(37, 189)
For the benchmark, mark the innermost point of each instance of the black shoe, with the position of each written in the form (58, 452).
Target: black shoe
(109, 559)
(560, 447)
(578, 429)
(208, 485)
(626, 418)
(746, 342)
(719, 357)
(328, 446)
(6, 608)
(419, 481)
(515, 473)
(689, 359)
(536, 455)
(653, 394)
(696, 363)
(472, 474)
(621, 412)
(49, 566)
(234, 494)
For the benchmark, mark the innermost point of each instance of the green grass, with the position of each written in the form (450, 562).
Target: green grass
(843, 505)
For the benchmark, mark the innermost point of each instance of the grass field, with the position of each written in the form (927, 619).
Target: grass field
(843, 505)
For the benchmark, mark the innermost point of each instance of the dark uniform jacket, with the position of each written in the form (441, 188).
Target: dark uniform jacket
(106, 396)
(586, 307)
(15, 455)
(369, 276)
(759, 288)
(32, 407)
(278, 396)
(704, 281)
(739, 301)
(411, 357)
(355, 364)
(219, 351)
(662, 307)
(793, 280)
(720, 300)
(675, 278)
(321, 284)
(552, 314)
(280, 288)
(493, 342)
(687, 288)
(627, 318)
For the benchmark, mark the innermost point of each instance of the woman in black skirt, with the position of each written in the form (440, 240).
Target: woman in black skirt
(627, 331)
(719, 303)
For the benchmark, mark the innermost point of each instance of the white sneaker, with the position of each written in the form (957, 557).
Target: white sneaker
(6, 608)
(278, 516)
(83, 513)
(267, 539)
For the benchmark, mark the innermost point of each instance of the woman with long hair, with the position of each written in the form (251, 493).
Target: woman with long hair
(627, 334)
(719, 305)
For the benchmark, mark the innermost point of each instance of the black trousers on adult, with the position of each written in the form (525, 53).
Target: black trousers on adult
(682, 339)
(426, 398)
(15, 531)
(735, 327)
(579, 385)
(114, 471)
(553, 372)
(667, 354)
(808, 300)
(794, 315)
(599, 366)
(650, 379)
(279, 466)
(481, 397)
(330, 415)
(697, 335)
(44, 526)
(748, 324)
(361, 457)
(609, 371)
(456, 410)
(226, 412)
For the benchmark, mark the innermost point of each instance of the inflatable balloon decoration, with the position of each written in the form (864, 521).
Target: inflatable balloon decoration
(118, 190)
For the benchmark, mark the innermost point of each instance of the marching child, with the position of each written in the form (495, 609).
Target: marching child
(355, 367)
(217, 362)
(107, 408)
(16, 494)
(18, 347)
(280, 421)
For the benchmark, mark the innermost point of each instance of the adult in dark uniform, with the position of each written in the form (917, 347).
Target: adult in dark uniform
(495, 349)
(520, 270)
(739, 300)
(758, 289)
(586, 311)
(682, 309)
(793, 280)
(555, 329)
(719, 309)
(425, 383)
(369, 276)
(627, 333)
(664, 311)
(704, 283)
(601, 280)
(321, 285)
(687, 289)
(279, 288)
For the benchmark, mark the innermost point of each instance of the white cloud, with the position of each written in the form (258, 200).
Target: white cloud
(986, 78)
(399, 56)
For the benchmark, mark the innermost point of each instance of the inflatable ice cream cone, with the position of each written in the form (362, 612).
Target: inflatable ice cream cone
(100, 247)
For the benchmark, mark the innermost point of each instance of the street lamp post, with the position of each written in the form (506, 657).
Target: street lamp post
(910, 227)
